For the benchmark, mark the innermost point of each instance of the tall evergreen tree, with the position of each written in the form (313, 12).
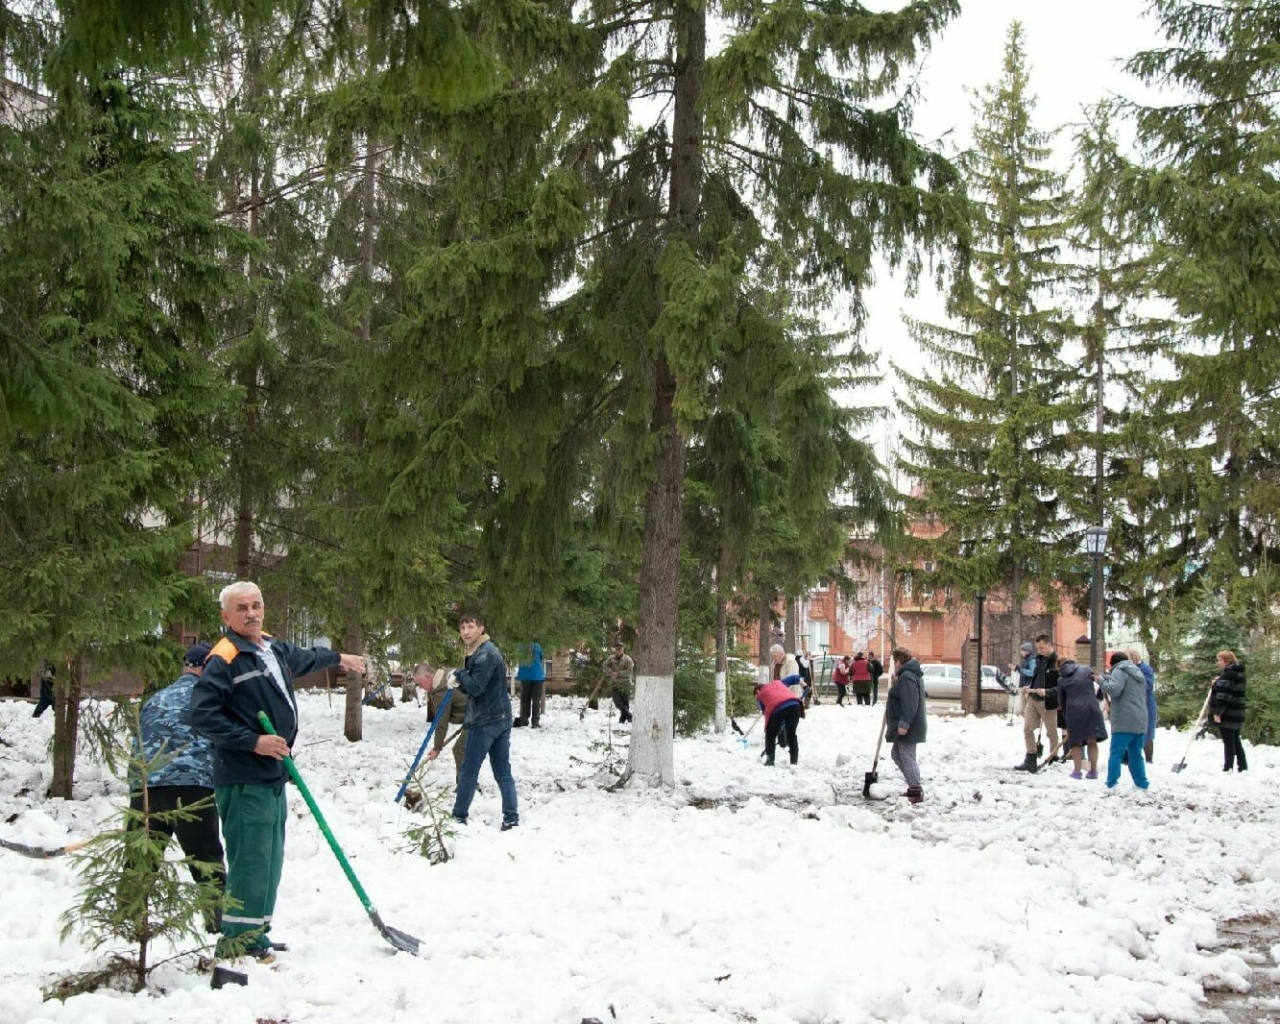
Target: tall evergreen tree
(1122, 339)
(1209, 196)
(990, 450)
(607, 260)
(113, 252)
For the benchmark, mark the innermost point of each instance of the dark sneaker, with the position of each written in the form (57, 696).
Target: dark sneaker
(519, 723)
(507, 826)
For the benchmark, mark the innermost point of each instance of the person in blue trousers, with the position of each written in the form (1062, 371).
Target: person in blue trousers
(483, 678)
(1127, 690)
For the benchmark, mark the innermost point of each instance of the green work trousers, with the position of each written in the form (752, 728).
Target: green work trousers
(253, 820)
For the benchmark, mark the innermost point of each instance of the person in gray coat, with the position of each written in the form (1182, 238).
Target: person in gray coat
(904, 716)
(1127, 690)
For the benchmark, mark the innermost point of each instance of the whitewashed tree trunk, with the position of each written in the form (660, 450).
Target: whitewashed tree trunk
(722, 662)
(653, 732)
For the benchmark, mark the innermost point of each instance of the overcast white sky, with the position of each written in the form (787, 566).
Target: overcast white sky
(1074, 53)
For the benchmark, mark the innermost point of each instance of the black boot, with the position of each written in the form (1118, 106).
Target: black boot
(1028, 764)
(768, 761)
(915, 794)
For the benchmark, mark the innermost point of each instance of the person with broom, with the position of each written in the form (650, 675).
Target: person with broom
(905, 724)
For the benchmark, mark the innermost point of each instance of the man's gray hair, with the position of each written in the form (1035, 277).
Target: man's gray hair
(1137, 654)
(234, 589)
(421, 669)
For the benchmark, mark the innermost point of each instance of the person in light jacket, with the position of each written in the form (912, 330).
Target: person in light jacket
(1227, 705)
(1127, 690)
(905, 723)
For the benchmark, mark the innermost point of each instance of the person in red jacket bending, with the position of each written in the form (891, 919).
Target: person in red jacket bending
(780, 708)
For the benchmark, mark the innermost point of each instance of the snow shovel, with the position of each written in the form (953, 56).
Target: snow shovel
(594, 694)
(750, 730)
(873, 776)
(40, 851)
(400, 940)
(1195, 731)
(444, 705)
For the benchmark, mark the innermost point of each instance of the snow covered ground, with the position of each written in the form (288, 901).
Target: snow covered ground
(748, 894)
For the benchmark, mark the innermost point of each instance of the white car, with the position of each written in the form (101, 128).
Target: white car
(942, 682)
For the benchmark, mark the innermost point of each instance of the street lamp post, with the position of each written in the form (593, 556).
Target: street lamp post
(981, 596)
(1095, 542)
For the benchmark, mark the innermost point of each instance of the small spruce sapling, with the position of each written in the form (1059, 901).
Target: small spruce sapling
(431, 838)
(133, 894)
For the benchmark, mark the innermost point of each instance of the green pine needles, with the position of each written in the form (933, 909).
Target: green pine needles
(136, 900)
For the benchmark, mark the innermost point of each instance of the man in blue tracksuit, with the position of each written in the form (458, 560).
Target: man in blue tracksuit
(181, 776)
(246, 672)
(483, 678)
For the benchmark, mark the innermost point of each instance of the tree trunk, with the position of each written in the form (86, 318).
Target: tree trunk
(792, 634)
(353, 721)
(652, 733)
(353, 717)
(652, 758)
(66, 728)
(722, 658)
(766, 629)
(242, 543)
(1015, 615)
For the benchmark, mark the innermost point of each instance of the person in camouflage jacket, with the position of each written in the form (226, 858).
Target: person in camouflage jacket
(181, 763)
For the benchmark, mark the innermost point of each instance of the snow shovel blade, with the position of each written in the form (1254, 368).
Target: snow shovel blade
(868, 780)
(403, 941)
(1180, 765)
(400, 940)
(225, 976)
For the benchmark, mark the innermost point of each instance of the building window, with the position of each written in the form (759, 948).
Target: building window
(819, 634)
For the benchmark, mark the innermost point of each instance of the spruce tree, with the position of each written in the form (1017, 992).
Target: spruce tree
(1122, 339)
(595, 265)
(990, 448)
(131, 893)
(1206, 191)
(112, 257)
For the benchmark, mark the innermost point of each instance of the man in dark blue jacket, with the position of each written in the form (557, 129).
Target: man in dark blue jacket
(250, 671)
(483, 678)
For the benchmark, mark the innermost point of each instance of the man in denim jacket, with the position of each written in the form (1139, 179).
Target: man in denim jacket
(483, 678)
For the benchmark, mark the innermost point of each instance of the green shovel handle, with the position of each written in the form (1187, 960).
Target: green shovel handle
(292, 769)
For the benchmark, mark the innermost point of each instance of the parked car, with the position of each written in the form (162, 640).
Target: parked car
(942, 682)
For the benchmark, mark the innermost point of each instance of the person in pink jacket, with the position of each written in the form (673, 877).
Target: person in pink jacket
(780, 708)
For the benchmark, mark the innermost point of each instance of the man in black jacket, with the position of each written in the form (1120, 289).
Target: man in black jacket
(1040, 702)
(246, 672)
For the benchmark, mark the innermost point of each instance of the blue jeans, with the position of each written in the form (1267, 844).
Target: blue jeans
(493, 740)
(1130, 743)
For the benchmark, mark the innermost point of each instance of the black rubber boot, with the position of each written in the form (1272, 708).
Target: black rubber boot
(915, 794)
(1028, 764)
